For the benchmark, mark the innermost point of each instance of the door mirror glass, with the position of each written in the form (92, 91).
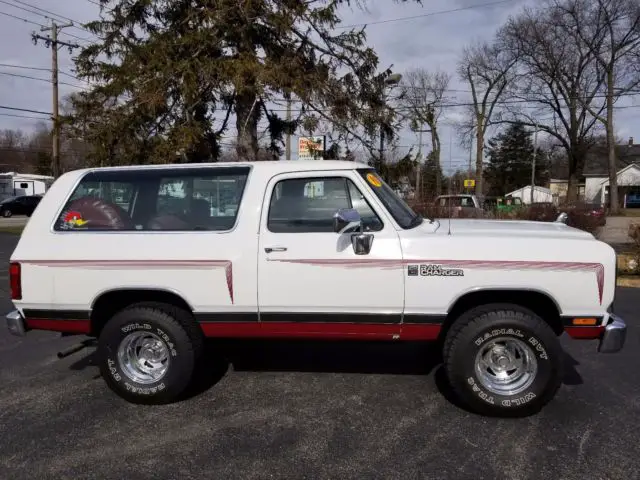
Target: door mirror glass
(361, 243)
(345, 219)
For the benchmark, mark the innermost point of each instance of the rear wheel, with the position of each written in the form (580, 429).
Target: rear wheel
(503, 360)
(148, 354)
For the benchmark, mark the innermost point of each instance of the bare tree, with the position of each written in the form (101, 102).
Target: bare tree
(610, 31)
(556, 86)
(422, 94)
(486, 69)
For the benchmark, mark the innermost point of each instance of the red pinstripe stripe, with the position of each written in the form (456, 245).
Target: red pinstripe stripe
(157, 264)
(597, 268)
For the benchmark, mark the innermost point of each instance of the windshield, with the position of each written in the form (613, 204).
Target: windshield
(399, 210)
(9, 199)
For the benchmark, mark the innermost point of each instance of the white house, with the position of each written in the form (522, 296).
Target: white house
(540, 194)
(597, 186)
(14, 184)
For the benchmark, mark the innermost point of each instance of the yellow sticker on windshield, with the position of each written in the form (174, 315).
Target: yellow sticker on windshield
(373, 180)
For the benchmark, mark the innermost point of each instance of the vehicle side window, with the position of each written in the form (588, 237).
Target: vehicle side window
(301, 205)
(180, 199)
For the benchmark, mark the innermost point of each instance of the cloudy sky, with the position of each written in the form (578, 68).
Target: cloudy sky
(406, 36)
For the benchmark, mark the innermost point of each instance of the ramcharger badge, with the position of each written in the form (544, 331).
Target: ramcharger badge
(434, 271)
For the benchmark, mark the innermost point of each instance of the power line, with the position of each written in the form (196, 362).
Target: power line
(430, 14)
(41, 15)
(22, 19)
(17, 109)
(24, 116)
(54, 14)
(42, 69)
(35, 12)
(39, 79)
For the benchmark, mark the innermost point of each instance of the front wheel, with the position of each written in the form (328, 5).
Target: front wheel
(6, 213)
(147, 355)
(503, 360)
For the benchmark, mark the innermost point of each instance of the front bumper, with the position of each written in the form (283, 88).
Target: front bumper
(614, 336)
(16, 324)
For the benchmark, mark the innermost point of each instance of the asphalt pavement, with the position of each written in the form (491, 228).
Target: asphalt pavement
(311, 410)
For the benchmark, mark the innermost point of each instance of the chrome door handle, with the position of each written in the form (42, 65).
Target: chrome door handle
(275, 249)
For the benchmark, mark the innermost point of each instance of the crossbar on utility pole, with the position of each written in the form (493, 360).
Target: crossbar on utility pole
(55, 45)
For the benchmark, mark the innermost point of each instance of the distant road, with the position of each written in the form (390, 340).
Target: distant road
(15, 221)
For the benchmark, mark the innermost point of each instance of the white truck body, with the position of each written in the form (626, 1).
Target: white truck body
(250, 280)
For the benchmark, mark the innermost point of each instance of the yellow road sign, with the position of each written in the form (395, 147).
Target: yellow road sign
(469, 183)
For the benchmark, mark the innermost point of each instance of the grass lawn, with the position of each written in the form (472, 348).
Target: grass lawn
(630, 212)
(14, 229)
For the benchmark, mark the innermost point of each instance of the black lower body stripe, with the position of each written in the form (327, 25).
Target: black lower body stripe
(57, 314)
(226, 317)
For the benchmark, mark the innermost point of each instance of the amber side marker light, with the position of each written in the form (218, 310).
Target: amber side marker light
(584, 321)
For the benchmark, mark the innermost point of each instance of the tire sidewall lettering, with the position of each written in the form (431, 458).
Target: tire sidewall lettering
(522, 398)
(119, 376)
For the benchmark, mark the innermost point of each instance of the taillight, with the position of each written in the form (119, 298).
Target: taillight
(15, 280)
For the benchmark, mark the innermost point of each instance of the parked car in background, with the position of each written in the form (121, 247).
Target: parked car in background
(462, 205)
(632, 200)
(502, 204)
(591, 211)
(23, 205)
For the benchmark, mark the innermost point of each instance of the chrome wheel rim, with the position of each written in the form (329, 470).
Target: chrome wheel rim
(506, 366)
(143, 357)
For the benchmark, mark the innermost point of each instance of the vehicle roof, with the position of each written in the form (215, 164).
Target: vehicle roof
(273, 166)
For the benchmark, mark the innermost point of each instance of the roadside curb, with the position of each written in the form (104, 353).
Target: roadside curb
(629, 281)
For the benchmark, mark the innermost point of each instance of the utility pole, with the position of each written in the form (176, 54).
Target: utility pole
(288, 137)
(55, 44)
(470, 159)
(418, 160)
(533, 161)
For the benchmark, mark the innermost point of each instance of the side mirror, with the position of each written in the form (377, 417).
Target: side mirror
(562, 218)
(346, 218)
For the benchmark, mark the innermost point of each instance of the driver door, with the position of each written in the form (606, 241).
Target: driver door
(309, 276)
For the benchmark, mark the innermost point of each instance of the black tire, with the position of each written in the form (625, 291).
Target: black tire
(6, 213)
(470, 333)
(178, 332)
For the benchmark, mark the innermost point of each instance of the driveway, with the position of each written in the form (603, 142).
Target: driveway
(311, 410)
(616, 231)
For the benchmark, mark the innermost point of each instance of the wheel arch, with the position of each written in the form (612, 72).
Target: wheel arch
(538, 301)
(109, 302)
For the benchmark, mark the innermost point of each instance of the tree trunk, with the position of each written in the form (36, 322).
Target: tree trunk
(435, 146)
(479, 154)
(614, 207)
(247, 116)
(572, 187)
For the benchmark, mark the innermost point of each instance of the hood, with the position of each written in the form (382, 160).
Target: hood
(502, 228)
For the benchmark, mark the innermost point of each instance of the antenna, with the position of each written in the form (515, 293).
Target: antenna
(450, 199)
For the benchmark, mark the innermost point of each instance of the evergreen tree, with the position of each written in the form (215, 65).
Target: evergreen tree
(510, 156)
(170, 74)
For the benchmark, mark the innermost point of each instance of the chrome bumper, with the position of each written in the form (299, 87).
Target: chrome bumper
(615, 333)
(16, 324)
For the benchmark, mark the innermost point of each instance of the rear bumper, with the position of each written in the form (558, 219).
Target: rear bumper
(614, 336)
(16, 323)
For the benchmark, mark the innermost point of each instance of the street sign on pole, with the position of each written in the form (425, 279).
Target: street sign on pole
(469, 183)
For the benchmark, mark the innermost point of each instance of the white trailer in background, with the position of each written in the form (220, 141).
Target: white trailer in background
(13, 184)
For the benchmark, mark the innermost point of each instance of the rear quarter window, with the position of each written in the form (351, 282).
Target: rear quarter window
(181, 199)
